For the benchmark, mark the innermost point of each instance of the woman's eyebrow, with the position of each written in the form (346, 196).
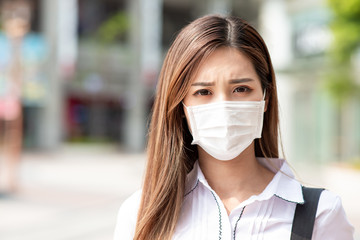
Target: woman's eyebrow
(231, 81)
(203, 84)
(241, 80)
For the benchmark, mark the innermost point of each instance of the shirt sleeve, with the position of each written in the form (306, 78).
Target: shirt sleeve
(331, 221)
(127, 216)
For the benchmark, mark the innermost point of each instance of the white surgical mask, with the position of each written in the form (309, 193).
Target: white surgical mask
(225, 129)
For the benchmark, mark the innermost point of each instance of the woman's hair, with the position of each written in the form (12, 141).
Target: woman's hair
(170, 153)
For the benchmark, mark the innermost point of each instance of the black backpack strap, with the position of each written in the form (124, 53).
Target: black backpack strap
(304, 218)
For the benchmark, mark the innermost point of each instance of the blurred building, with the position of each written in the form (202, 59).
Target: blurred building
(96, 63)
(99, 62)
(314, 127)
(106, 86)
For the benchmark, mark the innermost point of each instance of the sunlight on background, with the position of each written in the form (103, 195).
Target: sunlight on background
(77, 81)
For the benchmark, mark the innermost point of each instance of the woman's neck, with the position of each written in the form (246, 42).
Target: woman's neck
(235, 180)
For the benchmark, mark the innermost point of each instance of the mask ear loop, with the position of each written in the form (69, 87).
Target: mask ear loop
(264, 94)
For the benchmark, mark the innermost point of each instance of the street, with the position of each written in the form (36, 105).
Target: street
(74, 193)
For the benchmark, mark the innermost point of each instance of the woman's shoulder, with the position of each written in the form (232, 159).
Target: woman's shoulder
(331, 219)
(127, 216)
(329, 203)
(132, 202)
(328, 200)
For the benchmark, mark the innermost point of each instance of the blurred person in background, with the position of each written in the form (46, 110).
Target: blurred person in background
(15, 19)
(213, 169)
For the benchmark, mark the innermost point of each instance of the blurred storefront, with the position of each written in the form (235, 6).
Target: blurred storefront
(121, 47)
(92, 68)
(315, 127)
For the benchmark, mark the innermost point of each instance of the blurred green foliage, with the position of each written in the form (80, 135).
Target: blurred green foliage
(349, 9)
(346, 31)
(346, 40)
(114, 29)
(340, 84)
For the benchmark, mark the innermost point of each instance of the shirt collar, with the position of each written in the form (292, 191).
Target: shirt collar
(283, 185)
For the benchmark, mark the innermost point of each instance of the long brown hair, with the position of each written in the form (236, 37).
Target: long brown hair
(170, 154)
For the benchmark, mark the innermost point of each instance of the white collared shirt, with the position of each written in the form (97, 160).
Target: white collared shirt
(268, 215)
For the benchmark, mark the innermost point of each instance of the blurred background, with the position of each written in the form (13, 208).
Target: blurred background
(77, 81)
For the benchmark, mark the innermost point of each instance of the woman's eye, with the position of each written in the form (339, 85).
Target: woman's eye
(242, 89)
(202, 92)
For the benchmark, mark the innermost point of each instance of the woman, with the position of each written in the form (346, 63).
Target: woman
(213, 170)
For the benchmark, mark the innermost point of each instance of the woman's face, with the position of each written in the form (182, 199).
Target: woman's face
(226, 75)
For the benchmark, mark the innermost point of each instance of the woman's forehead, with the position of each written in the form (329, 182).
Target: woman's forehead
(225, 63)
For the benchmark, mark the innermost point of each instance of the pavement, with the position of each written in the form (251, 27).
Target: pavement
(74, 193)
